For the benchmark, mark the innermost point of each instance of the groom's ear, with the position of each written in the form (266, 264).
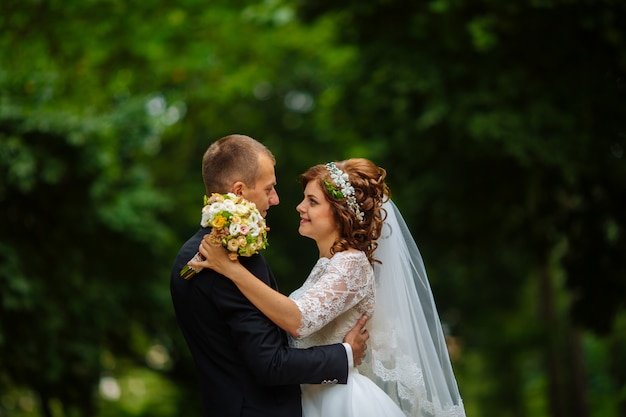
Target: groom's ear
(238, 188)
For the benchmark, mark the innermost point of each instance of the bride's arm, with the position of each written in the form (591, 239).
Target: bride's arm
(279, 308)
(342, 286)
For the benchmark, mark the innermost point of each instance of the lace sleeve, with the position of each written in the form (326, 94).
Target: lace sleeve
(346, 279)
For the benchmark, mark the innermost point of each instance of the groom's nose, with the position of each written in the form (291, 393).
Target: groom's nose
(274, 200)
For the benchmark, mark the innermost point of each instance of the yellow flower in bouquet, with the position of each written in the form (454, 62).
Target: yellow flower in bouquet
(235, 224)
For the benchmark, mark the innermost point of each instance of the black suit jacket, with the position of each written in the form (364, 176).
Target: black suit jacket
(245, 366)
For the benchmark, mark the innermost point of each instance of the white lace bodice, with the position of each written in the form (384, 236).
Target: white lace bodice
(336, 293)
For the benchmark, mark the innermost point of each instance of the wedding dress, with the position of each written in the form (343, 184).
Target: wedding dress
(407, 370)
(336, 293)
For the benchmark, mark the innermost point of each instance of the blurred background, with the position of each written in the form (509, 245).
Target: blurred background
(502, 126)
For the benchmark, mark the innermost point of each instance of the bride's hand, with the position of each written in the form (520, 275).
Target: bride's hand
(216, 258)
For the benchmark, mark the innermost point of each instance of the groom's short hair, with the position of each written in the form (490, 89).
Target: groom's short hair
(230, 159)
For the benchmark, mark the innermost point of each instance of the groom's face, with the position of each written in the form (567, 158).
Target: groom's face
(264, 193)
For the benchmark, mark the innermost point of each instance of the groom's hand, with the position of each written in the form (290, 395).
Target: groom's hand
(356, 338)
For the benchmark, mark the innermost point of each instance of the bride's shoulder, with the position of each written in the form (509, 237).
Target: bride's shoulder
(353, 255)
(353, 265)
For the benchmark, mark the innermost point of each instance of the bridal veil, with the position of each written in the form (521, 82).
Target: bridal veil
(407, 355)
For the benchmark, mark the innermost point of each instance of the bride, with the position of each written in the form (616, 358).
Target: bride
(368, 264)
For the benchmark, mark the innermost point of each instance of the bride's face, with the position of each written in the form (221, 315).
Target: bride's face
(316, 217)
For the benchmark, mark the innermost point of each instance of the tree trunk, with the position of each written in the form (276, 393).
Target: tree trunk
(564, 358)
(553, 355)
(44, 404)
(577, 386)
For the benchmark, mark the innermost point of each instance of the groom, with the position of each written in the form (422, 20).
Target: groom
(244, 364)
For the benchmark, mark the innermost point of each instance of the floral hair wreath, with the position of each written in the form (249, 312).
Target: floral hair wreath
(342, 189)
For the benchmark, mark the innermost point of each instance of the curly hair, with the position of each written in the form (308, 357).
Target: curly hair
(370, 191)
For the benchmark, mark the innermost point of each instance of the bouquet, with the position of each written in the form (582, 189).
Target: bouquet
(235, 224)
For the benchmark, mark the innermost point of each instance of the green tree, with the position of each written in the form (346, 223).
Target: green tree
(80, 213)
(503, 125)
(105, 111)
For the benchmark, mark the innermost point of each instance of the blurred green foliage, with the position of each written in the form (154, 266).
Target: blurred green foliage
(501, 125)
